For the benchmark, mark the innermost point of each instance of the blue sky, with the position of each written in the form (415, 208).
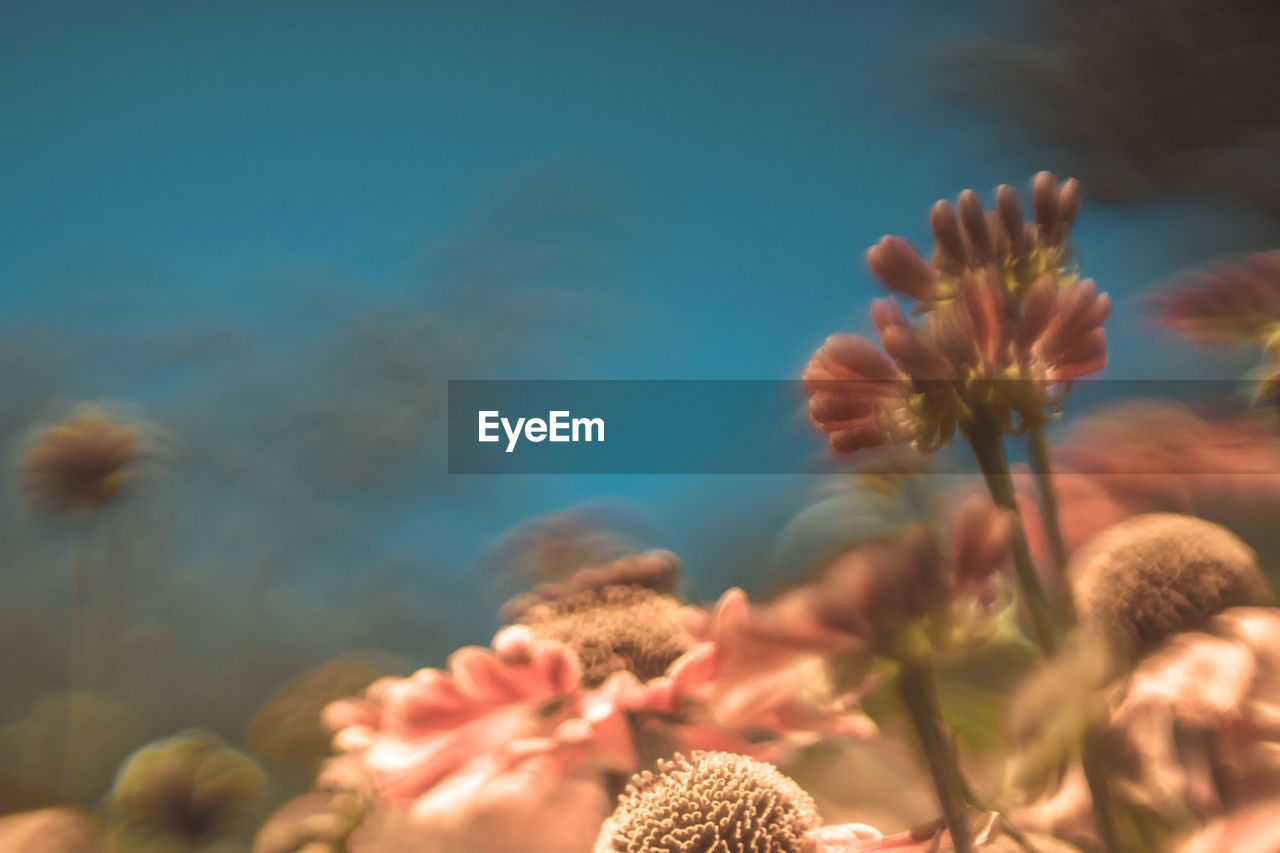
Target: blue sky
(168, 162)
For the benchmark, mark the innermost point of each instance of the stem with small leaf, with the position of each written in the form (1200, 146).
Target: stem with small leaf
(988, 449)
(916, 690)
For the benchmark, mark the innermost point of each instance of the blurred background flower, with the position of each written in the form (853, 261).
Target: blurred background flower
(190, 792)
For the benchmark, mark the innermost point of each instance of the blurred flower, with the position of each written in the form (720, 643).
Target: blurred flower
(70, 744)
(709, 801)
(546, 803)
(1225, 303)
(1007, 326)
(189, 792)
(1157, 456)
(655, 570)
(287, 734)
(968, 363)
(317, 822)
(1200, 720)
(551, 547)
(945, 572)
(1152, 576)
(931, 837)
(84, 463)
(1252, 830)
(613, 629)
(60, 830)
(755, 670)
(410, 733)
(668, 678)
(1192, 734)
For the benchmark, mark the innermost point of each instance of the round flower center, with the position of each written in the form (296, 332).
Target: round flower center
(710, 801)
(613, 629)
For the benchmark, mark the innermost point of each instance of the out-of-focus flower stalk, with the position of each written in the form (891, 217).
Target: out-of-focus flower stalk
(1042, 472)
(914, 683)
(78, 658)
(1105, 814)
(988, 449)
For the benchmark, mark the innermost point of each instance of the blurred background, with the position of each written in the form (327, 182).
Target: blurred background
(272, 233)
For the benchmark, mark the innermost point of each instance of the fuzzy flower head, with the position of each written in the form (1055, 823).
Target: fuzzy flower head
(615, 629)
(85, 463)
(1154, 575)
(616, 617)
(710, 801)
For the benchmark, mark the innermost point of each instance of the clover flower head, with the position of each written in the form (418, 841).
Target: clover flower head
(970, 239)
(1006, 327)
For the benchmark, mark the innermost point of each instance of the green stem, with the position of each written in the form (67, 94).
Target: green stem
(1104, 811)
(989, 450)
(916, 689)
(76, 661)
(1042, 471)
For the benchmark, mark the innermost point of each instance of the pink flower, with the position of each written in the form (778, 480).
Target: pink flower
(1154, 456)
(1252, 830)
(933, 572)
(856, 395)
(1225, 303)
(757, 671)
(974, 358)
(1194, 732)
(413, 732)
(544, 804)
(968, 238)
(860, 838)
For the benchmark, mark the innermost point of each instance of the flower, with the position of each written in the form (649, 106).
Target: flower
(1007, 326)
(411, 733)
(943, 574)
(1227, 303)
(765, 668)
(1155, 575)
(1156, 456)
(184, 793)
(969, 239)
(930, 837)
(968, 363)
(287, 735)
(1192, 734)
(1252, 830)
(709, 801)
(322, 819)
(613, 629)
(55, 830)
(84, 463)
